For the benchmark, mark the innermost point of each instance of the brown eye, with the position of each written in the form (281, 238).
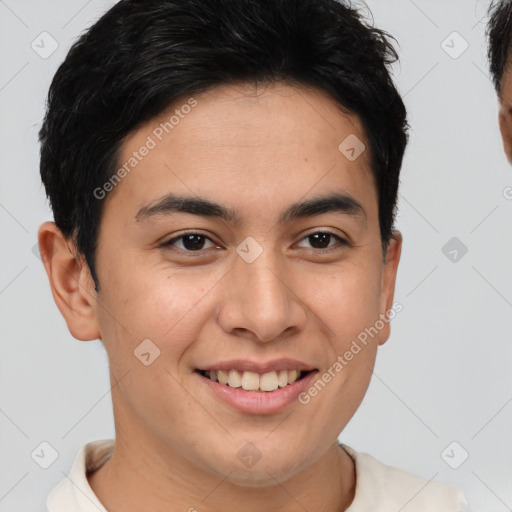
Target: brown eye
(321, 239)
(191, 242)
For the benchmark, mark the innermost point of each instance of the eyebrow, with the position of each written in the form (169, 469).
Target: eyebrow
(171, 203)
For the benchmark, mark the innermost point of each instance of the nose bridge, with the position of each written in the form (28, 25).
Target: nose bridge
(260, 299)
(261, 276)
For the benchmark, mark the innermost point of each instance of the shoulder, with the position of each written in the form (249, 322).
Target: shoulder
(383, 488)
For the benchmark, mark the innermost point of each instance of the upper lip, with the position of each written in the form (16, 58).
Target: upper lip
(259, 366)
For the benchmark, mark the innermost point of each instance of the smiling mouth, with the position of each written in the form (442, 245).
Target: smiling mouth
(252, 381)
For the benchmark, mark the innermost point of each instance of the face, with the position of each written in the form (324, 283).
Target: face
(202, 253)
(505, 115)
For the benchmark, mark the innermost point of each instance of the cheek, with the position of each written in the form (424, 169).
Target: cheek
(152, 320)
(350, 307)
(347, 300)
(164, 306)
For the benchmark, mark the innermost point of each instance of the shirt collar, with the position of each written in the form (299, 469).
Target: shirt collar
(74, 492)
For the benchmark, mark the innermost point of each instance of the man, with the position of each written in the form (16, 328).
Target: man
(223, 177)
(499, 32)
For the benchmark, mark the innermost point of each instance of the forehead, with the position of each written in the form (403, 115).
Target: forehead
(239, 144)
(265, 116)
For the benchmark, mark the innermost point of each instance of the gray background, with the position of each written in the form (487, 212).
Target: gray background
(444, 375)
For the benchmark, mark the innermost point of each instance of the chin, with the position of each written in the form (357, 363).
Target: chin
(264, 470)
(259, 478)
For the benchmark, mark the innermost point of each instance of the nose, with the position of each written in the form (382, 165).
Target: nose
(261, 299)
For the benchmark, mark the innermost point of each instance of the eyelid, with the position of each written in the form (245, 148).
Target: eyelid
(184, 234)
(342, 240)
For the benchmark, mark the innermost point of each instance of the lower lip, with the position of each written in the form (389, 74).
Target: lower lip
(254, 402)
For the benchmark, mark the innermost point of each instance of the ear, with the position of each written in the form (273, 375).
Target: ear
(70, 281)
(389, 270)
(505, 121)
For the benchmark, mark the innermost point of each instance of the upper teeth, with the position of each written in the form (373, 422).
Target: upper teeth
(251, 381)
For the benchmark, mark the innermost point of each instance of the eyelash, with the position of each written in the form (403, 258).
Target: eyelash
(341, 241)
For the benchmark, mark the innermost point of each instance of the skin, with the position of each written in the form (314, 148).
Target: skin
(505, 113)
(256, 151)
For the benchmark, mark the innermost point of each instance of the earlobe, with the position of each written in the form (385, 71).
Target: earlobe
(70, 281)
(389, 271)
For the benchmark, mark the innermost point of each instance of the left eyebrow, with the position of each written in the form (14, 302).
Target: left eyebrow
(332, 203)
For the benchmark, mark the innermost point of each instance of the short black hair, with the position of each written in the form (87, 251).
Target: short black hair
(143, 55)
(499, 34)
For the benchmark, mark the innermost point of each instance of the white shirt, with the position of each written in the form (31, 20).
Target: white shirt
(379, 488)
